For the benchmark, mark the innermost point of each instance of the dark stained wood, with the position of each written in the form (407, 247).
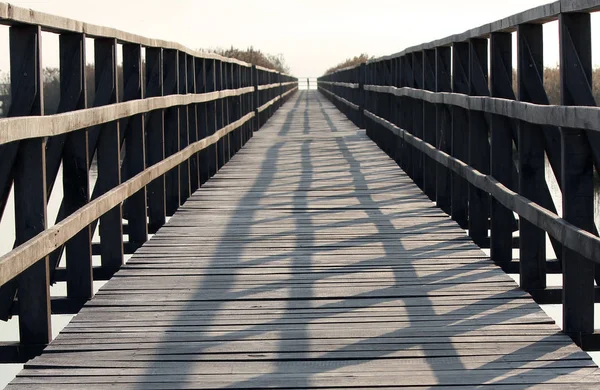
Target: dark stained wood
(532, 178)
(212, 118)
(171, 83)
(443, 127)
(30, 182)
(192, 73)
(429, 123)
(417, 117)
(109, 151)
(76, 165)
(460, 122)
(155, 137)
(184, 136)
(501, 149)
(135, 145)
(478, 145)
(577, 172)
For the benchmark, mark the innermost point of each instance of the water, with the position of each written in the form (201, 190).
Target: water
(9, 330)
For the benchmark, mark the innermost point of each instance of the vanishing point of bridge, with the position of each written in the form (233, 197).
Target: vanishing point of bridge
(299, 253)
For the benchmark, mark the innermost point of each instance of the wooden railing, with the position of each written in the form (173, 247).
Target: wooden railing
(176, 128)
(450, 120)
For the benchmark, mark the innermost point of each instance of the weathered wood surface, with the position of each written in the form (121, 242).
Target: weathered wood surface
(310, 260)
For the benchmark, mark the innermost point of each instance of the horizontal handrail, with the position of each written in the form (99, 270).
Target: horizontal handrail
(275, 85)
(340, 84)
(274, 100)
(20, 128)
(581, 117)
(341, 99)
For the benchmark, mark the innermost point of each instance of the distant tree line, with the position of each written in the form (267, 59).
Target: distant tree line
(253, 56)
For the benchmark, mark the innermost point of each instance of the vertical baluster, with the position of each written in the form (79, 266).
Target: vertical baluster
(417, 118)
(76, 162)
(501, 156)
(184, 136)
(155, 138)
(429, 110)
(226, 84)
(460, 124)
(237, 106)
(443, 124)
(255, 98)
(361, 96)
(577, 172)
(135, 147)
(531, 89)
(193, 123)
(109, 152)
(408, 81)
(172, 129)
(479, 146)
(29, 173)
(201, 87)
(211, 115)
(221, 109)
(532, 242)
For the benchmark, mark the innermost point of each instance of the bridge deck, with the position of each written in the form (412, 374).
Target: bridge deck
(310, 260)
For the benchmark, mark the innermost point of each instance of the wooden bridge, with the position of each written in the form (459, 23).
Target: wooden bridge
(299, 253)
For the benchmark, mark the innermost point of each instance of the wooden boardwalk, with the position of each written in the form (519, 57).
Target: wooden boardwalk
(310, 261)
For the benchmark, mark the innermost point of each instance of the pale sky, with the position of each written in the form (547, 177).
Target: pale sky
(311, 34)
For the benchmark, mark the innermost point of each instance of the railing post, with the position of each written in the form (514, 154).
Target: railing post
(479, 146)
(29, 173)
(501, 154)
(172, 130)
(226, 84)
(76, 163)
(135, 206)
(184, 136)
(109, 152)
(221, 112)
(203, 127)
(443, 123)
(361, 95)
(532, 240)
(577, 172)
(255, 98)
(417, 122)
(460, 123)
(211, 115)
(155, 145)
(193, 125)
(429, 181)
(397, 107)
(408, 112)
